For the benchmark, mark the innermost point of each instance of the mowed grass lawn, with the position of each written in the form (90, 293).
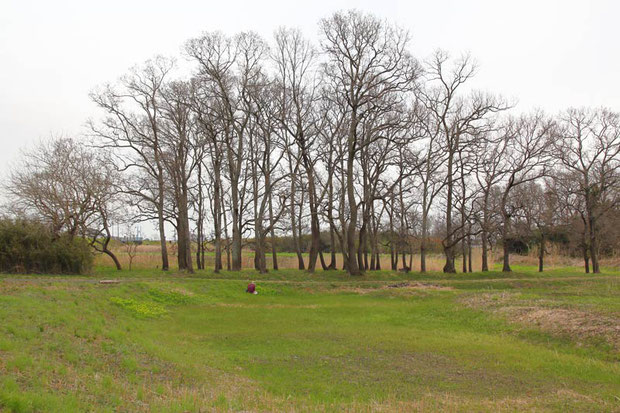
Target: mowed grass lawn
(324, 342)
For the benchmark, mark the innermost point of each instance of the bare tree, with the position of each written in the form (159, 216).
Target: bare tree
(526, 159)
(588, 147)
(430, 171)
(539, 210)
(72, 188)
(131, 243)
(367, 62)
(179, 156)
(132, 130)
(232, 67)
(489, 153)
(460, 119)
(295, 59)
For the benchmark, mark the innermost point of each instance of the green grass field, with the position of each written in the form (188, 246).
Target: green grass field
(325, 342)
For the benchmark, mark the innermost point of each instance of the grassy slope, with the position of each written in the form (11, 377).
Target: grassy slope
(306, 342)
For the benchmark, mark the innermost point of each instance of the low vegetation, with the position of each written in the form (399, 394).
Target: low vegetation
(28, 246)
(384, 341)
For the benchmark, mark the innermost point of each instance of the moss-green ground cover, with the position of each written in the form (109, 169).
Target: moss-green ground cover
(386, 341)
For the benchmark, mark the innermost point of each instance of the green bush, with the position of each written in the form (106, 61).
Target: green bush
(30, 247)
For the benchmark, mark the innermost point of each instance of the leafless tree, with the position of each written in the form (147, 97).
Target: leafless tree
(588, 147)
(526, 159)
(367, 62)
(539, 210)
(132, 130)
(232, 67)
(295, 59)
(459, 120)
(71, 187)
(180, 157)
(131, 243)
(489, 170)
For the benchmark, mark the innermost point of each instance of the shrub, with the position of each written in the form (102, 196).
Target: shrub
(30, 247)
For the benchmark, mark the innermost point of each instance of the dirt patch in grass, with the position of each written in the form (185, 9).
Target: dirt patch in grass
(402, 287)
(418, 286)
(577, 324)
(580, 326)
(245, 305)
(435, 401)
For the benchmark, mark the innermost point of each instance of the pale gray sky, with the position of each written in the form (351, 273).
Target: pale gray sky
(549, 54)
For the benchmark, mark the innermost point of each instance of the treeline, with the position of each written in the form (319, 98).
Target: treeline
(353, 139)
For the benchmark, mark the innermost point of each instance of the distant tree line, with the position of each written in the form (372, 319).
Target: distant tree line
(353, 143)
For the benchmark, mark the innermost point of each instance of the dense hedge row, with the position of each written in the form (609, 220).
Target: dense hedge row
(30, 247)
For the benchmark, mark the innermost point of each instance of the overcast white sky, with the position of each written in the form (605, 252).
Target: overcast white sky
(546, 53)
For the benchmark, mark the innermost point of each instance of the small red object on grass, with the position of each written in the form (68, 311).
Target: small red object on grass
(251, 288)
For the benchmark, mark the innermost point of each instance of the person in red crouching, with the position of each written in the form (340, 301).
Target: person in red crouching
(251, 288)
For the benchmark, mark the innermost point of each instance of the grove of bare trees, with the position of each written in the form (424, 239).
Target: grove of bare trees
(351, 146)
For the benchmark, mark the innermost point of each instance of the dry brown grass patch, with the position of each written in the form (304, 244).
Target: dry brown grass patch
(580, 325)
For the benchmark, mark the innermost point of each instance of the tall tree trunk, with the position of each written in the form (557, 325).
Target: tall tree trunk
(593, 244)
(332, 249)
(464, 252)
(236, 230)
(324, 265)
(463, 215)
(505, 234)
(469, 253)
(485, 259)
(300, 259)
(541, 252)
(315, 229)
(393, 251)
(199, 221)
(410, 260)
(424, 234)
(260, 261)
(162, 241)
(110, 254)
(352, 265)
(584, 243)
(448, 245)
(274, 254)
(228, 257)
(217, 217)
(185, 241)
(360, 246)
(330, 208)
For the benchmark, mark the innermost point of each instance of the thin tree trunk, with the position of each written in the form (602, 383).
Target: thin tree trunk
(117, 263)
(593, 245)
(352, 266)
(448, 245)
(469, 253)
(274, 254)
(217, 217)
(162, 242)
(228, 257)
(541, 252)
(424, 235)
(505, 233)
(324, 265)
(485, 258)
(315, 229)
(236, 230)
